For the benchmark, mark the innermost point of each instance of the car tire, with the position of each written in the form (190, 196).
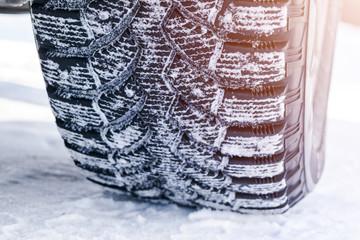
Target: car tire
(203, 102)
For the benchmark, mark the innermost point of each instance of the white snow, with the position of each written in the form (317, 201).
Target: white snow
(44, 196)
(260, 19)
(265, 170)
(104, 15)
(257, 64)
(250, 146)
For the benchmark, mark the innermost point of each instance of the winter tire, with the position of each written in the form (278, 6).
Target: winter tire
(203, 102)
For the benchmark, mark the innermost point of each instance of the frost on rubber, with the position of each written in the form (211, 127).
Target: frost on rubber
(197, 101)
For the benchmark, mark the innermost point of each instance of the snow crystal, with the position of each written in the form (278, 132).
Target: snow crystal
(103, 15)
(129, 92)
(64, 74)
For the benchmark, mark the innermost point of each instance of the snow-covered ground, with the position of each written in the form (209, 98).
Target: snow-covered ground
(44, 196)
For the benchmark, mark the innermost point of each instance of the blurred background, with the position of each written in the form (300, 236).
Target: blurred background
(351, 11)
(43, 195)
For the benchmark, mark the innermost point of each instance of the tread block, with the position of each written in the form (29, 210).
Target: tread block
(74, 111)
(63, 4)
(198, 125)
(83, 141)
(262, 20)
(139, 157)
(114, 60)
(69, 73)
(60, 28)
(259, 171)
(196, 42)
(235, 110)
(198, 90)
(197, 155)
(252, 146)
(263, 188)
(128, 138)
(241, 68)
(96, 163)
(123, 102)
(260, 203)
(206, 181)
(103, 16)
(204, 9)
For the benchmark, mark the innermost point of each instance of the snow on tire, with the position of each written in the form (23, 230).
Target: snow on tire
(197, 101)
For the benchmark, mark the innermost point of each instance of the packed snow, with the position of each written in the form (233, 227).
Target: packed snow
(44, 196)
